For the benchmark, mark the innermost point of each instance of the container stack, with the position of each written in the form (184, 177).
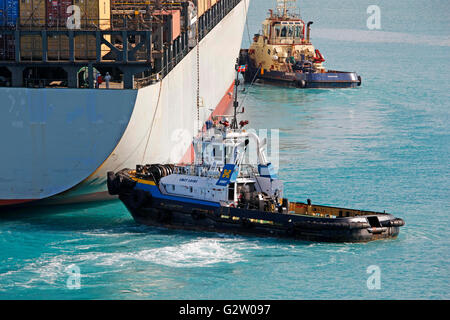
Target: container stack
(32, 13)
(57, 15)
(32, 16)
(9, 14)
(54, 15)
(56, 18)
(95, 15)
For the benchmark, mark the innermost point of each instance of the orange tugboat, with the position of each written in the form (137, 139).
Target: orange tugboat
(284, 54)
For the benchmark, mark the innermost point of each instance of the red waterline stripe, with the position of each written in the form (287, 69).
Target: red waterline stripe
(14, 201)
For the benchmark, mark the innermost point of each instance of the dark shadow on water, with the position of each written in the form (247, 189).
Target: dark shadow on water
(36, 210)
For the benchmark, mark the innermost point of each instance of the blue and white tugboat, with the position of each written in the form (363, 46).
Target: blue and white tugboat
(223, 192)
(283, 54)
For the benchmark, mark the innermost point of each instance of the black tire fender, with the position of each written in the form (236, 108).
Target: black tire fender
(301, 83)
(397, 222)
(113, 183)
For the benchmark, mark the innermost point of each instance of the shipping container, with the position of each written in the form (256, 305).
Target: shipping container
(32, 13)
(7, 47)
(105, 22)
(9, 13)
(31, 47)
(94, 14)
(85, 47)
(57, 13)
(105, 14)
(176, 23)
(58, 47)
(203, 6)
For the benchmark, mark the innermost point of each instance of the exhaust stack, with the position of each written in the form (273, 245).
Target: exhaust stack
(308, 30)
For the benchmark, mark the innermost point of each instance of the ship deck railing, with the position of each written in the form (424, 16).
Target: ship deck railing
(314, 210)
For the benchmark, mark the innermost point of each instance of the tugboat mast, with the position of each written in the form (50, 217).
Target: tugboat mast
(234, 124)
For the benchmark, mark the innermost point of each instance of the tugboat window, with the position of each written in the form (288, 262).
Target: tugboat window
(277, 31)
(298, 32)
(283, 32)
(290, 32)
(217, 153)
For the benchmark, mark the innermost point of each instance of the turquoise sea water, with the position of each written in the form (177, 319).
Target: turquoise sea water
(383, 146)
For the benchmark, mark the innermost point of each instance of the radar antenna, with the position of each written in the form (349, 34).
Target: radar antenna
(286, 8)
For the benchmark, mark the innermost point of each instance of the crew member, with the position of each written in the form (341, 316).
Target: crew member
(107, 79)
(99, 80)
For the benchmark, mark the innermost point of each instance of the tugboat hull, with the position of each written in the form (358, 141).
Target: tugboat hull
(303, 80)
(149, 207)
(173, 219)
(326, 80)
(162, 213)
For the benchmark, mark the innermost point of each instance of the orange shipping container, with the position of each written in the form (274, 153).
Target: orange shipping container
(202, 6)
(31, 47)
(32, 13)
(94, 14)
(85, 47)
(176, 23)
(58, 47)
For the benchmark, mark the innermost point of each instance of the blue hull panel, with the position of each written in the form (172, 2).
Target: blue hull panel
(312, 80)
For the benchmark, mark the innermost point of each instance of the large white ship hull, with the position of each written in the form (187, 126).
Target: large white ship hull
(58, 144)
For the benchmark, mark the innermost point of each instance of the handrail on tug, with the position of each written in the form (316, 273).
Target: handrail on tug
(260, 147)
